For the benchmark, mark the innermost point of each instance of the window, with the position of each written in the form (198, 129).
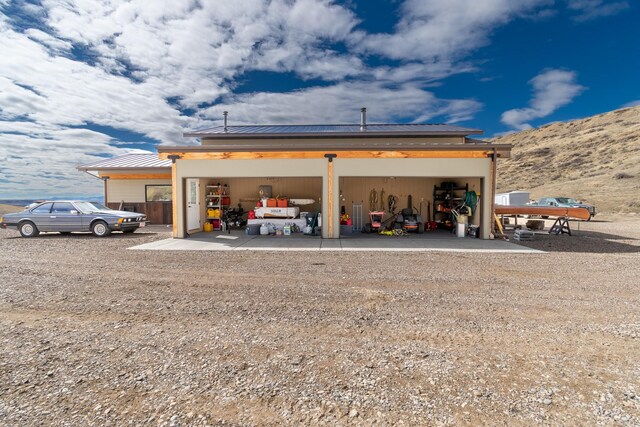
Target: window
(43, 209)
(62, 207)
(158, 193)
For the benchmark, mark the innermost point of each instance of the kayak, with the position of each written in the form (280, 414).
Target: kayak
(301, 202)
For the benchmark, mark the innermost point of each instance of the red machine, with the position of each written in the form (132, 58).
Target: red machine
(376, 221)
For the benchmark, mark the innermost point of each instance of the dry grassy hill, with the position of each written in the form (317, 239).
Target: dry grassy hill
(596, 160)
(5, 209)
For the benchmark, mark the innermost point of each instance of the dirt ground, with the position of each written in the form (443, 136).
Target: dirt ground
(95, 334)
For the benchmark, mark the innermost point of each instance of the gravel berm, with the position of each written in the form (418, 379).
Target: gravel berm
(94, 334)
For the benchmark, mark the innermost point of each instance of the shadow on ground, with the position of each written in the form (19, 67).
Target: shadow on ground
(582, 242)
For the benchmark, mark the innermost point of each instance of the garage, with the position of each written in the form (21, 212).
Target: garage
(420, 206)
(224, 203)
(437, 175)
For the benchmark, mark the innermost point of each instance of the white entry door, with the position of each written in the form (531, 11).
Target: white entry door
(193, 204)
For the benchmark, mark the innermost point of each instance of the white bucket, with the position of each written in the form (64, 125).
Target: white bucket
(461, 230)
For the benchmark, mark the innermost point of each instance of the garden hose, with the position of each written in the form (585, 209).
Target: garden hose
(392, 202)
(471, 200)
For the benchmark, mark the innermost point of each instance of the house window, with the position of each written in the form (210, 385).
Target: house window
(158, 193)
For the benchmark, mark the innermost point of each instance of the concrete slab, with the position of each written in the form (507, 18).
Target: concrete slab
(425, 243)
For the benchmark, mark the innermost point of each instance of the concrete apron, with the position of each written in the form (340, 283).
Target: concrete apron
(239, 241)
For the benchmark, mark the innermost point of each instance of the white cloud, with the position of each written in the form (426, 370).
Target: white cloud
(552, 89)
(437, 30)
(145, 61)
(632, 104)
(588, 10)
(340, 103)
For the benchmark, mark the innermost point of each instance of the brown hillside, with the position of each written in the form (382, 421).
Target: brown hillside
(596, 160)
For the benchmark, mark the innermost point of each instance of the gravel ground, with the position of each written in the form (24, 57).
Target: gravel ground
(94, 334)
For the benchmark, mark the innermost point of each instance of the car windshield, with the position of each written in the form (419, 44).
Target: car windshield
(88, 207)
(567, 200)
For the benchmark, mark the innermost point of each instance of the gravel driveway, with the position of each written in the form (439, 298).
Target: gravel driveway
(95, 334)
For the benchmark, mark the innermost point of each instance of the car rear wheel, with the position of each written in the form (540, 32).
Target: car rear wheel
(100, 229)
(28, 229)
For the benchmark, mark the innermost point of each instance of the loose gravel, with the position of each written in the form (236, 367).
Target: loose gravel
(95, 334)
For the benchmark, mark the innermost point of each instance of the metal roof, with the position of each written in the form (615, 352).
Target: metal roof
(128, 161)
(328, 145)
(331, 131)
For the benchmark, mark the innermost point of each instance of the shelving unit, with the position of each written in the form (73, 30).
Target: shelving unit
(446, 198)
(217, 197)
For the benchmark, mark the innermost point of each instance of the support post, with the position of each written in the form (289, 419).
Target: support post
(492, 196)
(174, 195)
(106, 190)
(329, 217)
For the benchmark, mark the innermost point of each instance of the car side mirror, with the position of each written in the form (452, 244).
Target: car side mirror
(73, 212)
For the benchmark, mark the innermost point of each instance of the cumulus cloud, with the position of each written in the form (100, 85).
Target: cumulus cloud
(587, 10)
(552, 89)
(159, 67)
(441, 30)
(340, 103)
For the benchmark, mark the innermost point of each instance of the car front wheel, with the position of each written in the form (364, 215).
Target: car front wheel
(28, 229)
(100, 229)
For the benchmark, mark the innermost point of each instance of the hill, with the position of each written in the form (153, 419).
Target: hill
(5, 209)
(596, 159)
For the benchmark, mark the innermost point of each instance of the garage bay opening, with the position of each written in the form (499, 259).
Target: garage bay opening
(410, 206)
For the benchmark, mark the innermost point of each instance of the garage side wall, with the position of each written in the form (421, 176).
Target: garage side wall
(131, 190)
(427, 168)
(261, 168)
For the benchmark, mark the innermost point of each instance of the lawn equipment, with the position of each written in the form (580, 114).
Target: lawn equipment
(409, 219)
(376, 222)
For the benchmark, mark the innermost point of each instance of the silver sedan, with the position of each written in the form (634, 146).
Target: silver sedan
(67, 216)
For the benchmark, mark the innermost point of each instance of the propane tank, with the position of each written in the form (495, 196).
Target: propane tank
(264, 230)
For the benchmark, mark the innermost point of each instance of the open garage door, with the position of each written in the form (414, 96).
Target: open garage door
(416, 206)
(245, 203)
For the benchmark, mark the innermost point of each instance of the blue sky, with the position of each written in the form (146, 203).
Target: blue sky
(82, 80)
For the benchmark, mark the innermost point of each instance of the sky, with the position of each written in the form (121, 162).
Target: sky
(83, 80)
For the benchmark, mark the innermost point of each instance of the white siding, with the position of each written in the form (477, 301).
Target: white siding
(130, 190)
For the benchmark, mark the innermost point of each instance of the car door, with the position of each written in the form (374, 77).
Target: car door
(40, 216)
(64, 217)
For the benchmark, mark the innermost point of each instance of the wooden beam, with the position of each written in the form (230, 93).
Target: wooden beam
(174, 199)
(428, 154)
(137, 175)
(329, 218)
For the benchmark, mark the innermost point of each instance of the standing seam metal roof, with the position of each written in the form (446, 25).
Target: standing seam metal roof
(128, 161)
(333, 129)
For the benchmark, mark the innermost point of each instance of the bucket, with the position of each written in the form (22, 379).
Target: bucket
(253, 229)
(461, 230)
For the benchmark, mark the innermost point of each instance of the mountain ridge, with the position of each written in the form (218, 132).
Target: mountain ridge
(595, 159)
